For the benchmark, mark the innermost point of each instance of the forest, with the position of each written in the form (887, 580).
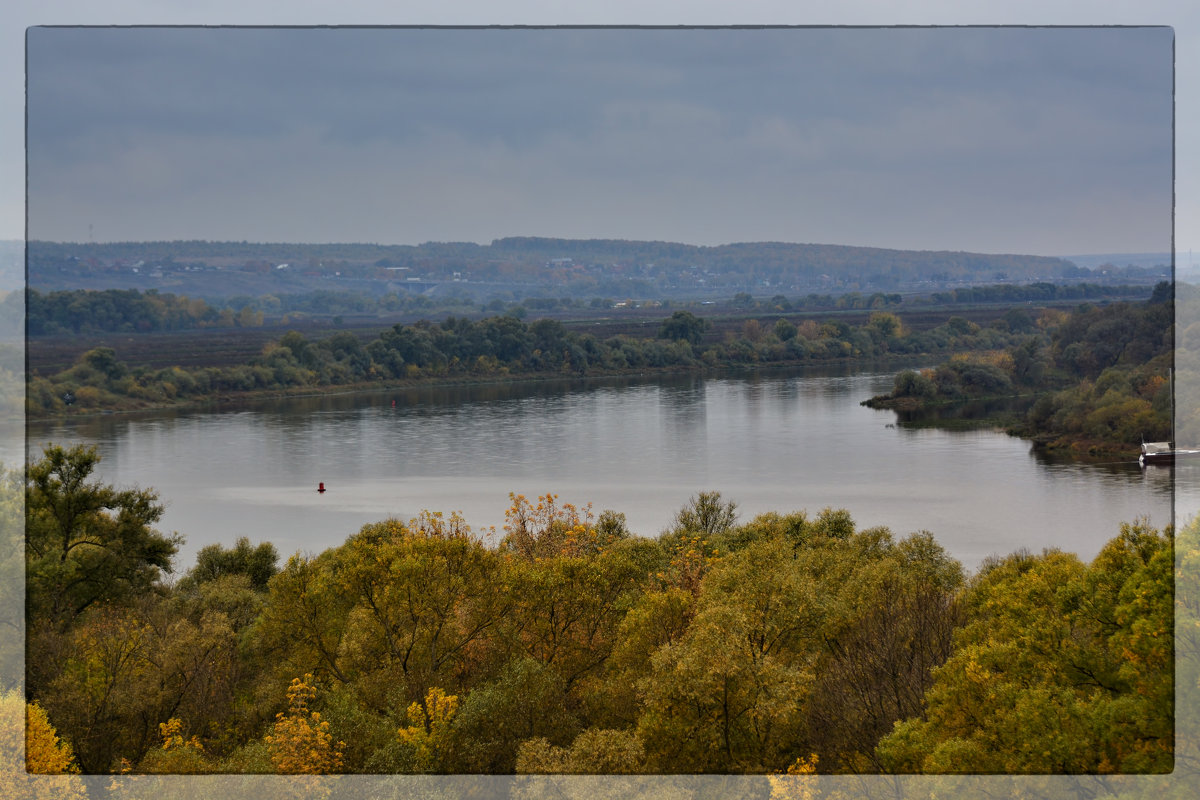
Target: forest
(787, 644)
(1101, 376)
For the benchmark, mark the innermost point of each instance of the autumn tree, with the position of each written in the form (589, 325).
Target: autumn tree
(429, 733)
(1187, 650)
(12, 585)
(125, 668)
(35, 762)
(548, 528)
(300, 742)
(594, 752)
(729, 695)
(424, 598)
(176, 755)
(566, 608)
(893, 612)
(1060, 667)
(301, 625)
(656, 619)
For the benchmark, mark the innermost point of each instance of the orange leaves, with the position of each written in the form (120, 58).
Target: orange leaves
(300, 742)
(1001, 359)
(34, 762)
(798, 783)
(548, 529)
(1152, 386)
(172, 735)
(435, 525)
(176, 756)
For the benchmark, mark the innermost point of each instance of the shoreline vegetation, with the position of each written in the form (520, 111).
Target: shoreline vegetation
(493, 348)
(789, 644)
(1098, 373)
(1097, 380)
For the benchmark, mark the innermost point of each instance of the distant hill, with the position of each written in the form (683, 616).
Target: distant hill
(1095, 261)
(518, 267)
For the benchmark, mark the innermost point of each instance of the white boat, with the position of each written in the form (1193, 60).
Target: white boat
(1163, 453)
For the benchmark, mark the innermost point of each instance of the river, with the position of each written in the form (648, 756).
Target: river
(773, 441)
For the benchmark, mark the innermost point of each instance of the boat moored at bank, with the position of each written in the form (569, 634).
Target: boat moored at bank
(1163, 453)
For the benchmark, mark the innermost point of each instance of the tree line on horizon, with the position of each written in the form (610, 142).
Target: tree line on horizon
(93, 311)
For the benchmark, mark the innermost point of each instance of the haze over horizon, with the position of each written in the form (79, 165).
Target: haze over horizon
(1130, 254)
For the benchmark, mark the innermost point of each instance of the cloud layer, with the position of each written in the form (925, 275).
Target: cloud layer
(1051, 140)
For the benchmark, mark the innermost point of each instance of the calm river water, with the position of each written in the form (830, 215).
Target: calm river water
(778, 441)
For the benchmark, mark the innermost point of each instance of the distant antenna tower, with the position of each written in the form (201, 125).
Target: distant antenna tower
(91, 239)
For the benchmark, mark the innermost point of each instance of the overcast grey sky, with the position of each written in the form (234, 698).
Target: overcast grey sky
(1052, 141)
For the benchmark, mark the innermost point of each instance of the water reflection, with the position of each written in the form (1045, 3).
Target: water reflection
(778, 440)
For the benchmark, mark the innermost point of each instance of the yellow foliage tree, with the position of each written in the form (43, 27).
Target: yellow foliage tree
(34, 762)
(176, 756)
(796, 783)
(45, 753)
(548, 529)
(301, 743)
(428, 729)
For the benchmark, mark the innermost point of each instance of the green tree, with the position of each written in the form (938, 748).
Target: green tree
(654, 620)
(683, 326)
(526, 700)
(258, 564)
(423, 599)
(1060, 667)
(87, 543)
(707, 515)
(885, 325)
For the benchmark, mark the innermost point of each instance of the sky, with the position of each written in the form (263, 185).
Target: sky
(1015, 139)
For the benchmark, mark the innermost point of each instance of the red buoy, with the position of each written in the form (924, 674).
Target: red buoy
(321, 487)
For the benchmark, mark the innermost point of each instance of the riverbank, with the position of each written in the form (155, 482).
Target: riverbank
(916, 412)
(240, 399)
